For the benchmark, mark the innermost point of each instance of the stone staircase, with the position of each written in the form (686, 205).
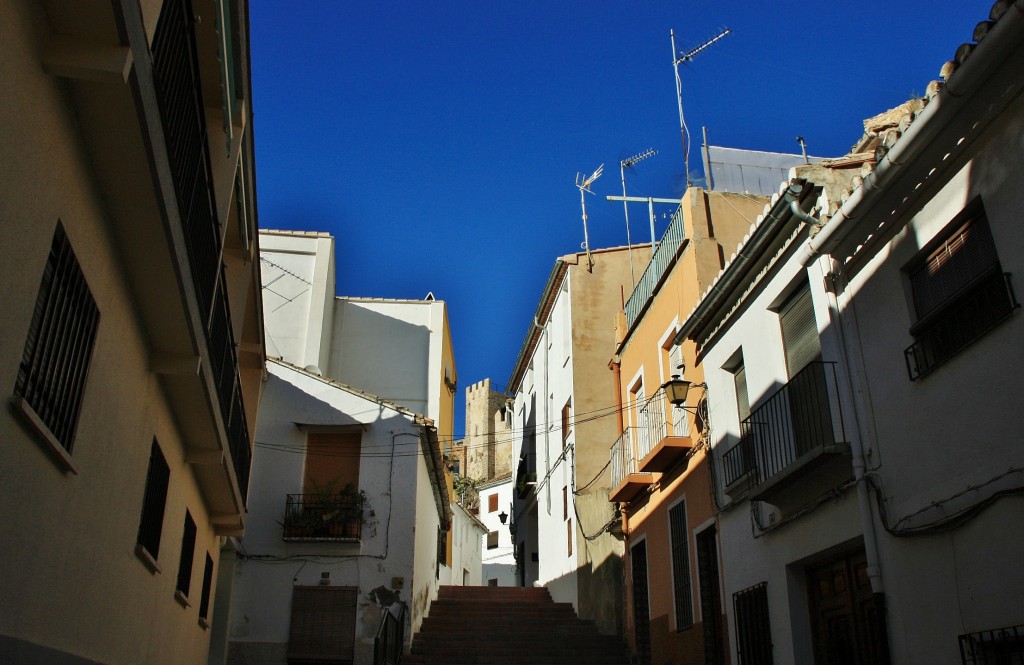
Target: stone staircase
(509, 626)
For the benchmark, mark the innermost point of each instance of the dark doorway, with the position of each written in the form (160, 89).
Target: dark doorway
(641, 604)
(710, 596)
(847, 619)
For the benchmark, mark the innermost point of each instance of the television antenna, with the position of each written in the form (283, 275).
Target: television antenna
(584, 186)
(688, 56)
(629, 162)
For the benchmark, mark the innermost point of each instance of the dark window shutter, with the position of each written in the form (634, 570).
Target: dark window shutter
(799, 331)
(188, 549)
(204, 602)
(153, 502)
(323, 625)
(742, 396)
(968, 255)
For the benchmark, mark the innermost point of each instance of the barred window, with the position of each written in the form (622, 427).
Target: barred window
(152, 521)
(753, 629)
(959, 292)
(55, 363)
(681, 566)
(188, 548)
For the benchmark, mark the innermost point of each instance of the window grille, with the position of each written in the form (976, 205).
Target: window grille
(204, 602)
(188, 548)
(959, 292)
(153, 502)
(681, 566)
(1003, 646)
(753, 629)
(58, 349)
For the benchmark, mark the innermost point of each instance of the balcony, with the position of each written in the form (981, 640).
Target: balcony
(664, 436)
(662, 259)
(526, 475)
(982, 307)
(323, 518)
(798, 430)
(627, 480)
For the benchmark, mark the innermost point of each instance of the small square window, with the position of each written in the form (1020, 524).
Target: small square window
(492, 540)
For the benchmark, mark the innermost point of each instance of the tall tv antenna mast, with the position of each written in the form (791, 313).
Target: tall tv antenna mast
(688, 56)
(629, 162)
(584, 186)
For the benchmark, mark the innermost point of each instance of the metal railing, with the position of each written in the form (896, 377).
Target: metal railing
(983, 306)
(623, 459)
(387, 645)
(180, 94)
(322, 517)
(993, 647)
(796, 419)
(660, 262)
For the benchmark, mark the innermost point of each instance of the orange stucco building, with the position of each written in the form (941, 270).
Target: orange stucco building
(660, 477)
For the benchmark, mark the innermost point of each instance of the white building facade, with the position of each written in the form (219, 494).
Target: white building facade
(351, 512)
(863, 367)
(497, 548)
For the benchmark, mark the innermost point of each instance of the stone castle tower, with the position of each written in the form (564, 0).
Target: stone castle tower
(488, 442)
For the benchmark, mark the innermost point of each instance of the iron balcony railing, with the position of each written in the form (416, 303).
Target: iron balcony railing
(795, 420)
(179, 90)
(322, 517)
(180, 93)
(387, 646)
(982, 306)
(623, 457)
(993, 647)
(660, 262)
(657, 420)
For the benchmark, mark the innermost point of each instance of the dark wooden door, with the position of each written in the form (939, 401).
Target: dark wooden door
(847, 619)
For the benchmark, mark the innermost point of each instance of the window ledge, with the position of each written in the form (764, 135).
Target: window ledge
(147, 559)
(203, 623)
(181, 598)
(46, 439)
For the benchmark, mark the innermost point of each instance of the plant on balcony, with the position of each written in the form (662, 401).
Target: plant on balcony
(324, 513)
(524, 481)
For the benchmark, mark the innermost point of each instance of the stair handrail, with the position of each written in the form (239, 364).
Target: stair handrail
(387, 645)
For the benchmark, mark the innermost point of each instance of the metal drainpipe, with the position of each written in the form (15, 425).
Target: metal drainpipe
(856, 447)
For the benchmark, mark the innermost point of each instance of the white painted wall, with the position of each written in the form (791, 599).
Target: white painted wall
(498, 563)
(953, 430)
(467, 565)
(543, 393)
(267, 567)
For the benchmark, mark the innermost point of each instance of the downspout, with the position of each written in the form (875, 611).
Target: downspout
(854, 380)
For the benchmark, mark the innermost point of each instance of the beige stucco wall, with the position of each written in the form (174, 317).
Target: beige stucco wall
(73, 582)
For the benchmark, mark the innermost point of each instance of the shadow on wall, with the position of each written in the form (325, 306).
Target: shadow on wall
(380, 354)
(599, 590)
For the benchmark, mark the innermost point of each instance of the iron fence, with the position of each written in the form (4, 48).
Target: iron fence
(322, 517)
(623, 459)
(795, 420)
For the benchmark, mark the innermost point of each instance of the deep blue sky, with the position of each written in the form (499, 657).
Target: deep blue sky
(439, 142)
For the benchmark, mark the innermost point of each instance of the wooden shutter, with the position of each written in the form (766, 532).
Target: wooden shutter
(742, 396)
(492, 503)
(332, 461)
(799, 331)
(323, 625)
(967, 255)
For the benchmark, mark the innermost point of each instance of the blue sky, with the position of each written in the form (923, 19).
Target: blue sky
(439, 142)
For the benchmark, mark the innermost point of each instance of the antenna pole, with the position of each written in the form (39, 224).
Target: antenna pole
(679, 99)
(631, 161)
(688, 56)
(584, 186)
